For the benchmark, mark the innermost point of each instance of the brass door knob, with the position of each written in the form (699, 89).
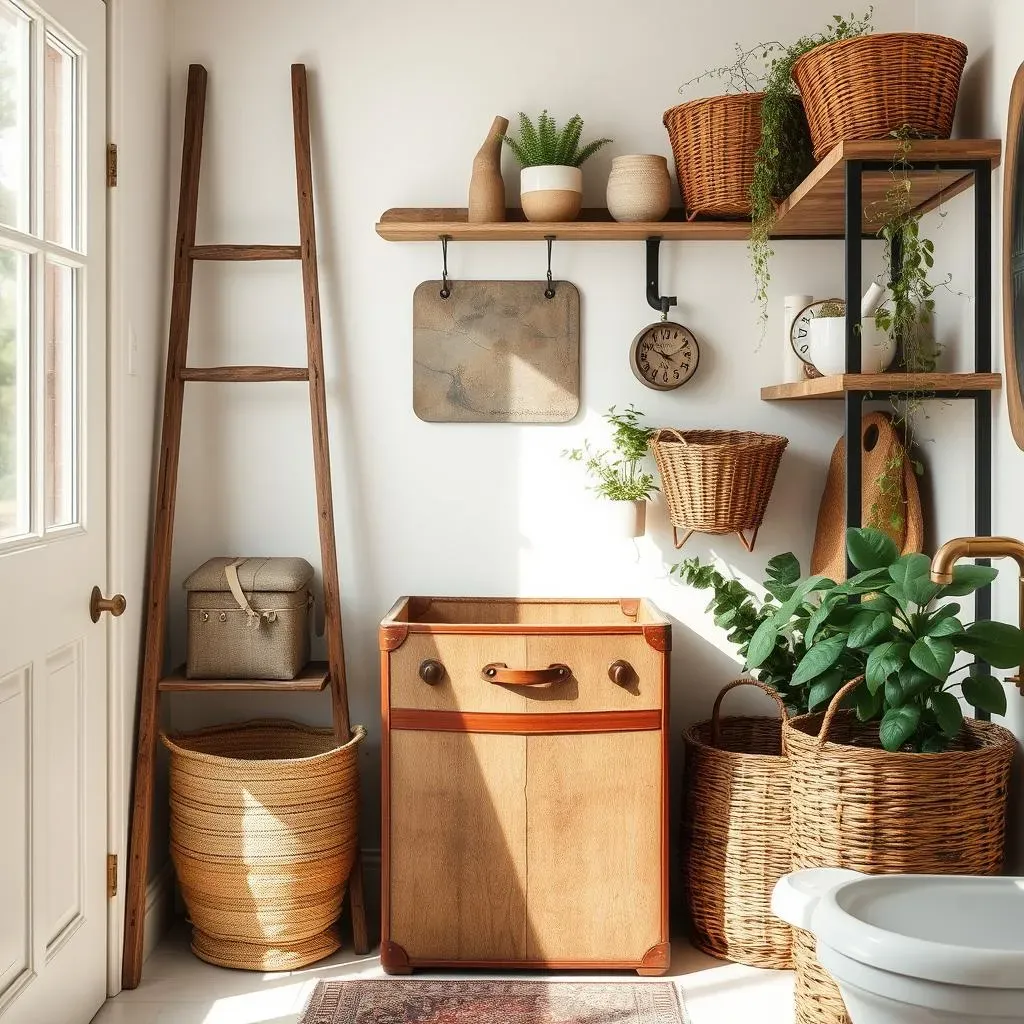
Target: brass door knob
(98, 604)
(431, 672)
(621, 673)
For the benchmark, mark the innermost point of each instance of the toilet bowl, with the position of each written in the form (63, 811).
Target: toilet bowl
(914, 949)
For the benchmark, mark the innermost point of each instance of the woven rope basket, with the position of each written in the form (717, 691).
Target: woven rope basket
(866, 88)
(717, 481)
(855, 805)
(736, 834)
(714, 141)
(264, 829)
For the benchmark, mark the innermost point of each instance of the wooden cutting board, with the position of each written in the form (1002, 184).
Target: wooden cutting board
(879, 443)
(496, 352)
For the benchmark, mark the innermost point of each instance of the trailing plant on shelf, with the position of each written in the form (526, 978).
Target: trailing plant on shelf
(545, 144)
(891, 624)
(617, 473)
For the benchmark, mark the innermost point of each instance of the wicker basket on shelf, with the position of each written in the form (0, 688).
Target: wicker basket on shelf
(855, 805)
(714, 141)
(868, 87)
(717, 481)
(736, 834)
(264, 827)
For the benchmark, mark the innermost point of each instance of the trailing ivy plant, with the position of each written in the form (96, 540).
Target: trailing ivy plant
(903, 637)
(617, 473)
(545, 143)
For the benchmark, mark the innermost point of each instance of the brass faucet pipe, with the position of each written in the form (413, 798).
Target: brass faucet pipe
(983, 547)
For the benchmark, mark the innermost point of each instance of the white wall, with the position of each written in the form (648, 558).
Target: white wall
(139, 246)
(402, 95)
(994, 33)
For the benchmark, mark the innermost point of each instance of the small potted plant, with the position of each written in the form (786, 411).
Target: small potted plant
(551, 183)
(827, 345)
(617, 473)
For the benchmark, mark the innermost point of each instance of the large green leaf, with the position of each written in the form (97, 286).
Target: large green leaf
(969, 578)
(784, 569)
(883, 661)
(869, 704)
(867, 628)
(819, 658)
(995, 642)
(822, 614)
(985, 693)
(824, 689)
(915, 681)
(908, 572)
(762, 643)
(894, 697)
(899, 725)
(881, 603)
(933, 655)
(808, 586)
(948, 625)
(947, 712)
(870, 549)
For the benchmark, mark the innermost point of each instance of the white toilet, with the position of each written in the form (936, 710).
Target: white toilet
(914, 949)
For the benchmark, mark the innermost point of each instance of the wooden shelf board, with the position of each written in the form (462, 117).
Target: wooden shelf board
(816, 208)
(837, 385)
(312, 679)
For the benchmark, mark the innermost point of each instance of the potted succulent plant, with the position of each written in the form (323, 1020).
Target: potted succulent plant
(551, 183)
(617, 473)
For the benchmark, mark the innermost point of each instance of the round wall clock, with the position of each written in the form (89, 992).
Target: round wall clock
(664, 355)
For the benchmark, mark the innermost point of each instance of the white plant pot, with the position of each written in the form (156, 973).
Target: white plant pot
(620, 520)
(827, 345)
(551, 193)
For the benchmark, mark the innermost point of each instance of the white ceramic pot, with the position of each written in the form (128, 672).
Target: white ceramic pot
(620, 520)
(639, 188)
(551, 193)
(827, 341)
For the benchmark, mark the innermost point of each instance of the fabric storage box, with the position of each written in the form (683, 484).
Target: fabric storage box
(248, 618)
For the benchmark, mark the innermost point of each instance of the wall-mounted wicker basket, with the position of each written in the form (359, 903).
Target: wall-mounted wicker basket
(868, 87)
(264, 828)
(717, 481)
(736, 834)
(714, 141)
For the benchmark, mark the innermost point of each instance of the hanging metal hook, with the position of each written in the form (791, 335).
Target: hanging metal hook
(445, 290)
(662, 303)
(549, 292)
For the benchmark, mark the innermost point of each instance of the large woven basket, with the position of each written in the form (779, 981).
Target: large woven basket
(714, 141)
(736, 834)
(855, 805)
(868, 87)
(264, 826)
(717, 481)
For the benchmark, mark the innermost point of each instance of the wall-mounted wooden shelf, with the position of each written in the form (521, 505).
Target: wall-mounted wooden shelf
(313, 678)
(814, 210)
(838, 384)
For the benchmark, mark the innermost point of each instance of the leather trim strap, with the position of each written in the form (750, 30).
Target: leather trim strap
(411, 719)
(231, 572)
(500, 674)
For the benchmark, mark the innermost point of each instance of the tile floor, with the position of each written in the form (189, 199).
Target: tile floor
(177, 988)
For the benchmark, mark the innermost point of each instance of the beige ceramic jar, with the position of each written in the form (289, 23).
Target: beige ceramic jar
(639, 188)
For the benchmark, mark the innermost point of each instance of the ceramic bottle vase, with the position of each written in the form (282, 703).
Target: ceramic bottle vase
(486, 187)
(639, 188)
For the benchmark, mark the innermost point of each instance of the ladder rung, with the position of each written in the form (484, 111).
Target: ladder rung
(251, 374)
(245, 252)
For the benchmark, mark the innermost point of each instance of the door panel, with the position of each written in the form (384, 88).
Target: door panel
(458, 845)
(594, 846)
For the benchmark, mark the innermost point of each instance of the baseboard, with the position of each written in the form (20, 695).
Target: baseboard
(159, 908)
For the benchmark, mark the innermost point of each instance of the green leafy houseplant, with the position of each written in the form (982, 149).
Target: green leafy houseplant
(544, 144)
(617, 473)
(892, 625)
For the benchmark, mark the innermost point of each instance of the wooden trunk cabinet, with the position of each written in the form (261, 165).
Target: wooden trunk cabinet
(525, 784)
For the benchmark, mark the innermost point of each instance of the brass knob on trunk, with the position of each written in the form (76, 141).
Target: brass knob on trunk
(621, 673)
(431, 672)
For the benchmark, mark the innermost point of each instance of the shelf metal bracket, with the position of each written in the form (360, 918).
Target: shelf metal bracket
(662, 303)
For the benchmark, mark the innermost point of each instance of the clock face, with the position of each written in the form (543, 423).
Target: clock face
(664, 355)
(800, 330)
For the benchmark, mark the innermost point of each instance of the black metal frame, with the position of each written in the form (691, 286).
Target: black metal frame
(982, 172)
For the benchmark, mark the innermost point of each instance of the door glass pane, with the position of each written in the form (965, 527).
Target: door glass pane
(15, 167)
(59, 158)
(60, 406)
(15, 391)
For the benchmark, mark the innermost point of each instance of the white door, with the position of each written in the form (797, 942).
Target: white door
(53, 531)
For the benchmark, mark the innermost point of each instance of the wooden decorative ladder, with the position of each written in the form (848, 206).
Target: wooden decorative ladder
(318, 675)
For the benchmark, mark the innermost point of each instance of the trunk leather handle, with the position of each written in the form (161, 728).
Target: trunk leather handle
(499, 673)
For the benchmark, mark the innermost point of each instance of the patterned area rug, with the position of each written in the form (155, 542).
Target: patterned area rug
(402, 1001)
